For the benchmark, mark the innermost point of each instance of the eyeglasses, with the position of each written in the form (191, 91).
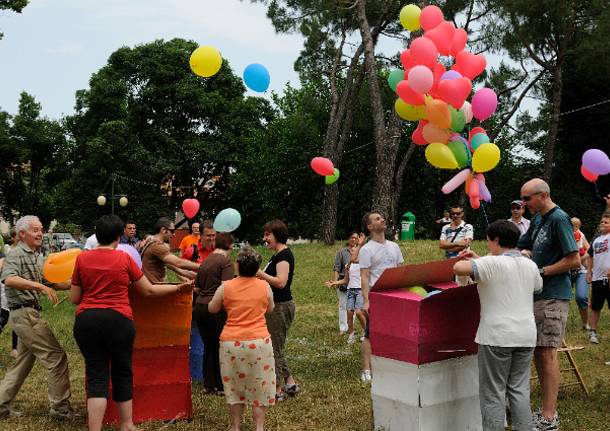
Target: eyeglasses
(527, 198)
(456, 214)
(170, 230)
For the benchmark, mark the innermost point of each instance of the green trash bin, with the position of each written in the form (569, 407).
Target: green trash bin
(407, 231)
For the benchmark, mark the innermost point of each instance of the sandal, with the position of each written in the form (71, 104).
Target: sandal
(280, 396)
(292, 390)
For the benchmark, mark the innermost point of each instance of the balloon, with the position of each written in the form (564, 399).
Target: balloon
(418, 290)
(409, 17)
(409, 112)
(475, 203)
(190, 207)
(407, 60)
(459, 41)
(483, 190)
(417, 136)
(454, 91)
(331, 179)
(256, 77)
(473, 188)
(469, 65)
(205, 61)
(432, 133)
(484, 104)
(440, 156)
(474, 131)
(461, 153)
(457, 120)
(478, 140)
(424, 52)
(430, 17)
(322, 166)
(437, 112)
(456, 181)
(434, 292)
(395, 77)
(486, 157)
(596, 161)
(442, 36)
(132, 252)
(589, 176)
(420, 79)
(451, 75)
(438, 71)
(58, 267)
(408, 95)
(227, 220)
(467, 110)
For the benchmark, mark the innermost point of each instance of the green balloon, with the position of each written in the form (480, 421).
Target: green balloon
(418, 290)
(395, 77)
(331, 179)
(460, 151)
(458, 120)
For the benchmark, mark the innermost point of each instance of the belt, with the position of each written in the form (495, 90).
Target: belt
(36, 306)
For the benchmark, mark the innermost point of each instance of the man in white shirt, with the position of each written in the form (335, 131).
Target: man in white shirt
(374, 257)
(506, 282)
(457, 235)
(517, 208)
(91, 243)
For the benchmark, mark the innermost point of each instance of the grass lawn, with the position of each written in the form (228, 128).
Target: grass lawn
(328, 370)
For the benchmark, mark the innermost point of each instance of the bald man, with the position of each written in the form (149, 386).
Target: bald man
(549, 241)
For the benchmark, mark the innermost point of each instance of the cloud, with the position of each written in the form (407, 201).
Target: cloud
(66, 49)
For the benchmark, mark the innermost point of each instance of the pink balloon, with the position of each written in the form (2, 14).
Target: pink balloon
(467, 111)
(460, 37)
(408, 95)
(424, 52)
(432, 133)
(430, 17)
(442, 36)
(190, 207)
(322, 166)
(596, 162)
(484, 104)
(454, 91)
(456, 181)
(473, 189)
(417, 136)
(421, 79)
(475, 203)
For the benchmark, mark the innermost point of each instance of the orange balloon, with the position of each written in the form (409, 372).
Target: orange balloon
(59, 266)
(433, 133)
(438, 112)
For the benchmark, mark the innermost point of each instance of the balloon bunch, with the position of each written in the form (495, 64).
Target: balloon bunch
(594, 163)
(324, 167)
(437, 98)
(206, 61)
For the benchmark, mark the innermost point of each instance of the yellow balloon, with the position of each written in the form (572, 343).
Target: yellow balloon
(409, 112)
(205, 61)
(486, 157)
(440, 156)
(58, 267)
(409, 17)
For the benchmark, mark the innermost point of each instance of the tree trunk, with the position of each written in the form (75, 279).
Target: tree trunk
(549, 148)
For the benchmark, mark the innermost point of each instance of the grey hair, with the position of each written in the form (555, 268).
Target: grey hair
(25, 222)
(248, 253)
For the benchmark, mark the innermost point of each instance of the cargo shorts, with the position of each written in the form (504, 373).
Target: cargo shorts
(551, 316)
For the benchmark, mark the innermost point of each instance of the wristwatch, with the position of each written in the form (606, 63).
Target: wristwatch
(541, 271)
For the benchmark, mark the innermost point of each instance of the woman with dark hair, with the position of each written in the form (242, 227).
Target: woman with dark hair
(212, 272)
(278, 273)
(104, 328)
(246, 354)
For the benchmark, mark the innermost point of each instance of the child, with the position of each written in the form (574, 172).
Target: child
(355, 300)
(506, 282)
(579, 276)
(598, 270)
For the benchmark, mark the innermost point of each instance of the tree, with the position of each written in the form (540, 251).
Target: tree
(14, 5)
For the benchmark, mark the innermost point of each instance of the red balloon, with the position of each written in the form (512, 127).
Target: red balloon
(474, 131)
(407, 60)
(430, 17)
(589, 176)
(473, 189)
(417, 136)
(424, 52)
(442, 36)
(460, 37)
(190, 207)
(475, 203)
(408, 95)
(454, 91)
(469, 65)
(322, 166)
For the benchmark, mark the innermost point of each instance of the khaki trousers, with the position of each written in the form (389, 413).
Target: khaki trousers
(278, 324)
(36, 341)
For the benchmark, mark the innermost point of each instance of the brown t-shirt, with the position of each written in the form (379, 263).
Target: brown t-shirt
(153, 266)
(211, 273)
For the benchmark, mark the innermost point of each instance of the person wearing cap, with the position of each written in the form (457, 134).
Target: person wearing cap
(517, 208)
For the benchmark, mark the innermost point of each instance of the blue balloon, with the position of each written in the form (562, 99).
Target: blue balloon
(227, 220)
(478, 140)
(451, 75)
(256, 77)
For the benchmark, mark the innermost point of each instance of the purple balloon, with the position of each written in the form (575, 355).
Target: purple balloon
(596, 161)
(451, 75)
(132, 252)
(484, 192)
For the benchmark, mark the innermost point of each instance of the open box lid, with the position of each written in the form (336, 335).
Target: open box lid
(437, 274)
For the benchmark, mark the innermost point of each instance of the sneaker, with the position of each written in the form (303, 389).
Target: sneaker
(292, 390)
(586, 327)
(352, 338)
(280, 396)
(9, 413)
(593, 338)
(366, 376)
(544, 424)
(65, 415)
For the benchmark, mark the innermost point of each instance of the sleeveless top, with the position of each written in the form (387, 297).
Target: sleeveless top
(245, 301)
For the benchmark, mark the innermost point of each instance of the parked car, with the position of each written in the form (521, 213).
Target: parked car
(63, 241)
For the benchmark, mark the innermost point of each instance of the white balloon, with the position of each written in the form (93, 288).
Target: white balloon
(467, 111)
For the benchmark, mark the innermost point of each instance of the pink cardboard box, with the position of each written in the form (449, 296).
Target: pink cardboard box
(409, 328)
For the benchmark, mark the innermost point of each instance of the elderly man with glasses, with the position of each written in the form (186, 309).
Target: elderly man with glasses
(457, 235)
(550, 243)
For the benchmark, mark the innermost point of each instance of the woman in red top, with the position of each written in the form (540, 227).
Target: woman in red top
(104, 328)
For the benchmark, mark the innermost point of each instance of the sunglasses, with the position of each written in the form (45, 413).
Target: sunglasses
(456, 214)
(170, 230)
(527, 198)
(516, 207)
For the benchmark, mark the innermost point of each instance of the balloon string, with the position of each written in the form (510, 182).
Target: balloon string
(484, 212)
(597, 192)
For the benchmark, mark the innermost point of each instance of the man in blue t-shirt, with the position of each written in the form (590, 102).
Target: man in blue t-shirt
(549, 241)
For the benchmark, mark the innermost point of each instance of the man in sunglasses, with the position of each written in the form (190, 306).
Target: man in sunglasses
(156, 255)
(517, 208)
(549, 241)
(457, 235)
